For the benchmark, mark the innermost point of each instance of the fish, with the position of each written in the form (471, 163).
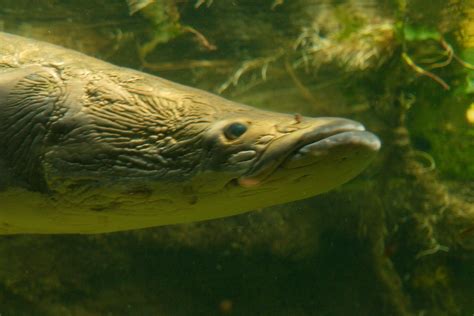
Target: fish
(87, 147)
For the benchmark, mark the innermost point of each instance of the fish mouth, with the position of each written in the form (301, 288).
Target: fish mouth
(323, 139)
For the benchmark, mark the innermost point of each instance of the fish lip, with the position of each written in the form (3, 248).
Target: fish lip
(309, 136)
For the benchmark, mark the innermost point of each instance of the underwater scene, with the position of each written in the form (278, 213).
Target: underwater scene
(236, 157)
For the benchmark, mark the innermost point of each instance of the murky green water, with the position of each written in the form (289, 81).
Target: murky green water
(397, 240)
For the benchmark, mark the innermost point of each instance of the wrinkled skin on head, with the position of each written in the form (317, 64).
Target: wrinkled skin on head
(90, 147)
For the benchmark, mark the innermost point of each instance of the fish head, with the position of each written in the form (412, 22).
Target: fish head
(259, 152)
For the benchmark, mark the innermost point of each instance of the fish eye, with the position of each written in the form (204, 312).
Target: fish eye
(235, 130)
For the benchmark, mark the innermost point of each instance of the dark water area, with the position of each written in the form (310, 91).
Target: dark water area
(396, 240)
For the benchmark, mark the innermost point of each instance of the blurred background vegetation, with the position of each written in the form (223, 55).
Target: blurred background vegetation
(398, 240)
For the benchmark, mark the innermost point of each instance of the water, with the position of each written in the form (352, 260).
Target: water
(397, 240)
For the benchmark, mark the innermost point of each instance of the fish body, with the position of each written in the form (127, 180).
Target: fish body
(89, 147)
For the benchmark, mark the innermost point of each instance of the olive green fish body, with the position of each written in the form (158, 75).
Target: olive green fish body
(89, 147)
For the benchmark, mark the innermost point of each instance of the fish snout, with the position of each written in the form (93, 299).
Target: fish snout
(306, 130)
(309, 141)
(331, 137)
